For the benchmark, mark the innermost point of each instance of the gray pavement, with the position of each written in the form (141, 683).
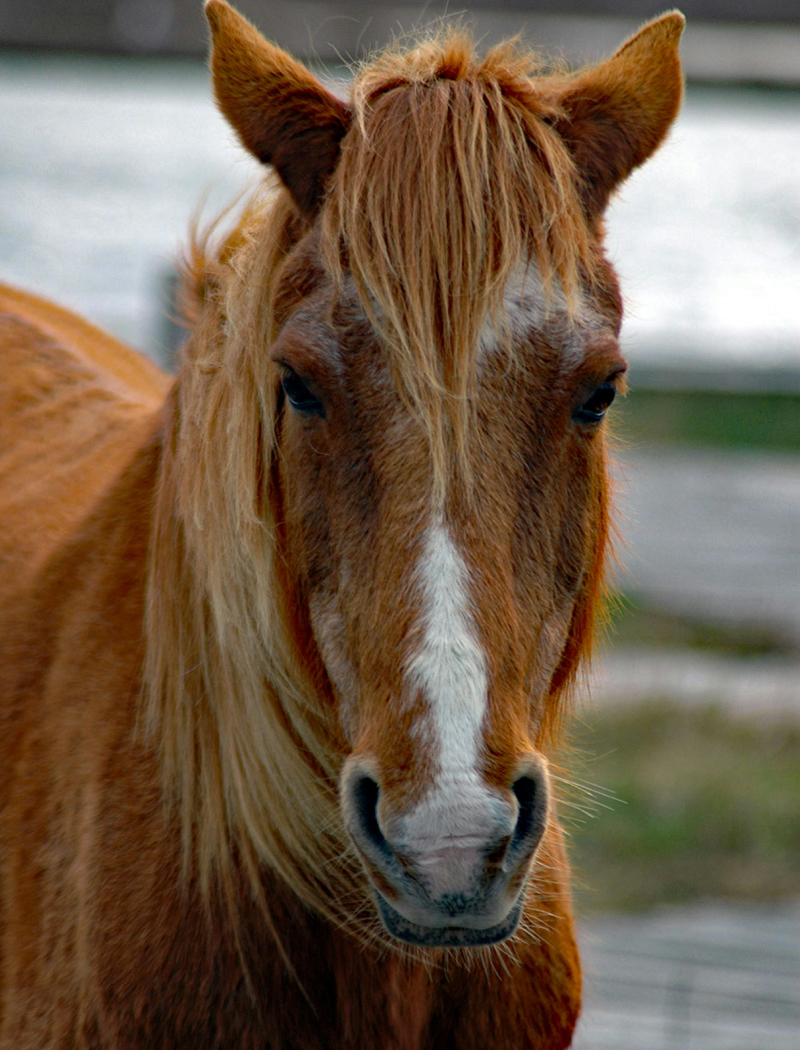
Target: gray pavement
(706, 977)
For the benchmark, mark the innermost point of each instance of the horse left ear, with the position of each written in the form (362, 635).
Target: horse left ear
(281, 113)
(616, 114)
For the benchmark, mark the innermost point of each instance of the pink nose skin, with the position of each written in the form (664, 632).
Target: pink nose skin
(446, 888)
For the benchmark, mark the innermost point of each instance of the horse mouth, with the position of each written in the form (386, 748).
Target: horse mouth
(446, 936)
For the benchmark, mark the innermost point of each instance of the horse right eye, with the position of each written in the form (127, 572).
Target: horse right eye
(299, 396)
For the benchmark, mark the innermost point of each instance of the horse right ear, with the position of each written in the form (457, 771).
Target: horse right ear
(281, 113)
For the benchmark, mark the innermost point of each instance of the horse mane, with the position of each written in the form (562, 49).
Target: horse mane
(250, 746)
(453, 181)
(247, 752)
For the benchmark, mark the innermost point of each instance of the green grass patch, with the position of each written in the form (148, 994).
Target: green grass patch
(691, 805)
(710, 419)
(632, 622)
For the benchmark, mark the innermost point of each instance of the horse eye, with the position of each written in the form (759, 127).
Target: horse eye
(594, 408)
(299, 396)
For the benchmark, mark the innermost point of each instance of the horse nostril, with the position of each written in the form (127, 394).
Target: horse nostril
(365, 801)
(531, 795)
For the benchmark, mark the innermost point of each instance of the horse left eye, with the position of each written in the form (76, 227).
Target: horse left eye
(594, 408)
(299, 396)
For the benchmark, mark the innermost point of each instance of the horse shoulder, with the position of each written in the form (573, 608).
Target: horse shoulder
(74, 406)
(71, 766)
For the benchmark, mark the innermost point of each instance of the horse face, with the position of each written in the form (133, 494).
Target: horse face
(448, 599)
(443, 625)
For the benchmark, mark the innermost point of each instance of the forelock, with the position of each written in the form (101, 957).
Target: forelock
(451, 179)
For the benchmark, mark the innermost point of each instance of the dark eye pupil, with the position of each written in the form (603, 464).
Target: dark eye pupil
(299, 396)
(594, 408)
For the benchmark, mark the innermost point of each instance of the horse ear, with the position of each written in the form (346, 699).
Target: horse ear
(281, 113)
(617, 113)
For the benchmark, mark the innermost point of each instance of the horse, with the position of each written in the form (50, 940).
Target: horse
(286, 643)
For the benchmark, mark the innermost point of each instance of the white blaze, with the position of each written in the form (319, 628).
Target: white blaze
(528, 308)
(449, 669)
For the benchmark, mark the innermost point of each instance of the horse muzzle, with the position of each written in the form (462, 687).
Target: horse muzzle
(449, 871)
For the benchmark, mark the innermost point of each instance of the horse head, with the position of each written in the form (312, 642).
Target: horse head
(443, 351)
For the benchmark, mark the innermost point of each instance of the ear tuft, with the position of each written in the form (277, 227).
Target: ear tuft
(279, 110)
(616, 114)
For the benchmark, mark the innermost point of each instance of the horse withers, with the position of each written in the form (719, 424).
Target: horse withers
(285, 643)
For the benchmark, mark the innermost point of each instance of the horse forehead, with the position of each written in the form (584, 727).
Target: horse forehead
(344, 334)
(529, 308)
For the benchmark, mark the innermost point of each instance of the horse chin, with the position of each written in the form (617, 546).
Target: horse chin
(446, 936)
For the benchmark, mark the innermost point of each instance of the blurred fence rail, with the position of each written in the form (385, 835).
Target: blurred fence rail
(728, 40)
(701, 978)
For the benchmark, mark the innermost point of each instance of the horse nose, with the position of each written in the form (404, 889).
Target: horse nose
(529, 792)
(461, 851)
(383, 833)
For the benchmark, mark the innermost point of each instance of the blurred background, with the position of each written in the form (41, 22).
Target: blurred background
(681, 789)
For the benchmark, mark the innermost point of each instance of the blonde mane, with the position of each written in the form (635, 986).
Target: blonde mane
(451, 181)
(450, 178)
